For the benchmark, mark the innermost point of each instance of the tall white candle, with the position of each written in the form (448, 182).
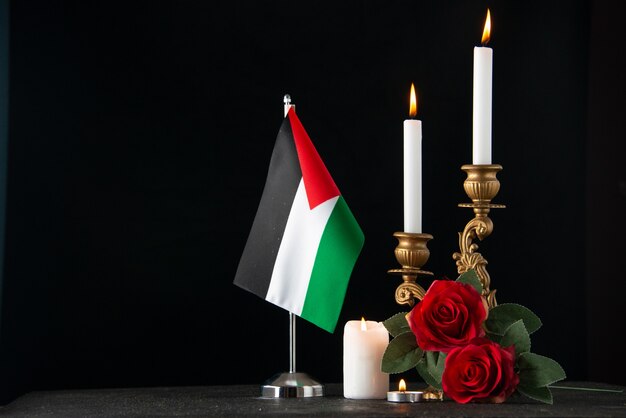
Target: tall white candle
(483, 69)
(364, 343)
(413, 169)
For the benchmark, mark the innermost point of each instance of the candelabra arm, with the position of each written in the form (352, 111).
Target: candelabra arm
(469, 258)
(481, 186)
(409, 291)
(411, 253)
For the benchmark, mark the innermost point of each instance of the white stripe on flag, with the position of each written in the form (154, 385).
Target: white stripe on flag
(298, 248)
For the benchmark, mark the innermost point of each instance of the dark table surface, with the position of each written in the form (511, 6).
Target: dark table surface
(244, 400)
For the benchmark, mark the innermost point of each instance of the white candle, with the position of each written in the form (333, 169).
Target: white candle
(413, 169)
(483, 69)
(364, 343)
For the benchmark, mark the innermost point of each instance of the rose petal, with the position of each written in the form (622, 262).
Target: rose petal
(481, 371)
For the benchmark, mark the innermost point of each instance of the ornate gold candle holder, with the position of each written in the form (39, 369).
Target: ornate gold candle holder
(481, 186)
(412, 253)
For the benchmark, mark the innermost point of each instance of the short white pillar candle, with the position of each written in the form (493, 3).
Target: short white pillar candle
(364, 343)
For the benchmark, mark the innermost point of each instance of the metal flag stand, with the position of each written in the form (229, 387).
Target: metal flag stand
(291, 384)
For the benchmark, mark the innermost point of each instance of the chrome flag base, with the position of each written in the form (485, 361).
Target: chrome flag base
(291, 385)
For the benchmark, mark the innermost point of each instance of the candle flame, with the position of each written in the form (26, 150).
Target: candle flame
(402, 386)
(413, 106)
(487, 30)
(363, 324)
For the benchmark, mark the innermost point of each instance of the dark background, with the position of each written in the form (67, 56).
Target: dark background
(139, 139)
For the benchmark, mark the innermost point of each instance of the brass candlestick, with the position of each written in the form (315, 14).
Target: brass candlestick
(481, 186)
(412, 253)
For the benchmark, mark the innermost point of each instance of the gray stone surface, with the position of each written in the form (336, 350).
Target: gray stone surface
(244, 401)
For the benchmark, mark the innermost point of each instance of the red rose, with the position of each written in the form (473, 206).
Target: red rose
(450, 315)
(481, 371)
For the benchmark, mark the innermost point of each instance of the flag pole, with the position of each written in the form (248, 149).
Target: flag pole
(292, 342)
(291, 384)
(292, 316)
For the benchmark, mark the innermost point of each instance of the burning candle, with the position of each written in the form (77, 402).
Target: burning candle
(364, 343)
(413, 169)
(483, 69)
(403, 395)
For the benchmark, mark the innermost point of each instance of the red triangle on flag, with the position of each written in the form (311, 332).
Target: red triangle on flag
(318, 183)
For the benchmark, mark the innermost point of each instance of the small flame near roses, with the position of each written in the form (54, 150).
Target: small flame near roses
(363, 324)
(402, 386)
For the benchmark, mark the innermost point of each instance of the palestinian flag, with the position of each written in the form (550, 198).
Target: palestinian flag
(304, 240)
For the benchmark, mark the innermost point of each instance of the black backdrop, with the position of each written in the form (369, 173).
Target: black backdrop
(140, 135)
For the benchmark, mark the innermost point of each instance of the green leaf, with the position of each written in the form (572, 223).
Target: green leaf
(494, 337)
(541, 394)
(471, 278)
(401, 354)
(436, 363)
(441, 365)
(503, 316)
(516, 335)
(537, 371)
(422, 369)
(431, 366)
(397, 324)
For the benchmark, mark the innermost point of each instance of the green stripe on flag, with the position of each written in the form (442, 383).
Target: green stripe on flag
(338, 251)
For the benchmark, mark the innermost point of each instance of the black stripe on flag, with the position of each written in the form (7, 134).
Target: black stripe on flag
(257, 262)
